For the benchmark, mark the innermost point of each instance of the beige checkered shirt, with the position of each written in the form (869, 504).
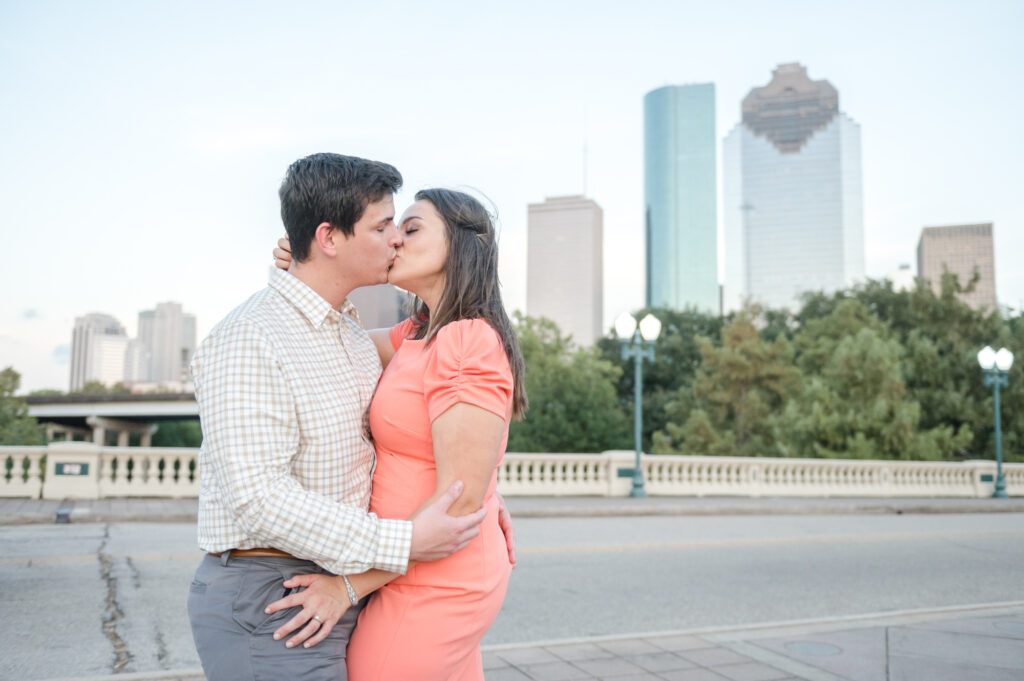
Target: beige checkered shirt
(284, 383)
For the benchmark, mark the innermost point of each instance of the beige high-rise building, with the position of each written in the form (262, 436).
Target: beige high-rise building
(565, 265)
(168, 339)
(961, 249)
(379, 307)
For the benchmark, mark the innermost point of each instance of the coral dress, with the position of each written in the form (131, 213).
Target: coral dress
(428, 623)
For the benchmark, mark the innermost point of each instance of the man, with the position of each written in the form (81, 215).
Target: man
(283, 385)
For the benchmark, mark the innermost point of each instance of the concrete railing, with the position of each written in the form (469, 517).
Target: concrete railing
(21, 472)
(87, 471)
(82, 470)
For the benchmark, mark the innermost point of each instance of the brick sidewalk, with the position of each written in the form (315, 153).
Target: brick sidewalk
(954, 644)
(974, 643)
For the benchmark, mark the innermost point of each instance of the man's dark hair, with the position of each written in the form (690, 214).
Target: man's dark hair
(331, 188)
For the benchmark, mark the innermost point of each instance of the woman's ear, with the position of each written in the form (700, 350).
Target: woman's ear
(324, 237)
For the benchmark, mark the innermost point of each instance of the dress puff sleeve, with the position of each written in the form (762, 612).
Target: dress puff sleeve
(399, 332)
(468, 364)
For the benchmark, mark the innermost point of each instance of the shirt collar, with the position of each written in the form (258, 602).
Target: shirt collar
(307, 301)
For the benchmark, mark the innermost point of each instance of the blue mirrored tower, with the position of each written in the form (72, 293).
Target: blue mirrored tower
(680, 216)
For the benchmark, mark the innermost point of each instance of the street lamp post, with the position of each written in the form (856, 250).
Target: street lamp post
(638, 343)
(996, 367)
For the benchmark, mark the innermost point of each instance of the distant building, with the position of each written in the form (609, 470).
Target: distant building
(791, 194)
(680, 197)
(379, 307)
(166, 343)
(961, 249)
(565, 264)
(902, 278)
(98, 345)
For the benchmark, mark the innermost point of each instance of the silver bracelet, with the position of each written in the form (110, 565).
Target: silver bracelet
(352, 597)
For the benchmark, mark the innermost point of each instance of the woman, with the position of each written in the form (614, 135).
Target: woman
(452, 382)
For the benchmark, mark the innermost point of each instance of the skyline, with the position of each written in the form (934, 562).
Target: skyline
(149, 142)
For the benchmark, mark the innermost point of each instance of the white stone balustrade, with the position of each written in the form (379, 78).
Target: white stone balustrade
(148, 472)
(21, 472)
(87, 471)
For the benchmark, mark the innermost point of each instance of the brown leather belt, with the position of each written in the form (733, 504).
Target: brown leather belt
(264, 553)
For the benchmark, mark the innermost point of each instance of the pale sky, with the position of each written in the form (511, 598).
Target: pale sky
(142, 143)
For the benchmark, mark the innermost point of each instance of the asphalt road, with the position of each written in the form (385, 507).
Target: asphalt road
(92, 599)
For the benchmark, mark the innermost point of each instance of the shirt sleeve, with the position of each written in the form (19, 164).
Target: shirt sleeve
(468, 364)
(250, 437)
(399, 332)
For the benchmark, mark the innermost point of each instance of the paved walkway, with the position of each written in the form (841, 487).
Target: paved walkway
(960, 644)
(984, 643)
(27, 511)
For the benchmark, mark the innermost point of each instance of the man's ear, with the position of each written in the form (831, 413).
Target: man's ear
(324, 237)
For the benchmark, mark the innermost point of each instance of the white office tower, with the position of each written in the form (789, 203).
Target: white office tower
(167, 341)
(564, 265)
(98, 344)
(791, 194)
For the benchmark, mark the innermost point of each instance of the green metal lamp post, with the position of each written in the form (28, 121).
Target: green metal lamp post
(996, 367)
(638, 343)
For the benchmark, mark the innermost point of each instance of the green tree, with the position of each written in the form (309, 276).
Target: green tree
(573, 405)
(92, 388)
(855, 404)
(738, 387)
(940, 336)
(178, 434)
(16, 426)
(46, 392)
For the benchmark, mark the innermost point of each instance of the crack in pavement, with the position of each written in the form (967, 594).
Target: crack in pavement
(136, 576)
(161, 648)
(112, 613)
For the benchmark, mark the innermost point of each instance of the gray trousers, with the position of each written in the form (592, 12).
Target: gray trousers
(235, 638)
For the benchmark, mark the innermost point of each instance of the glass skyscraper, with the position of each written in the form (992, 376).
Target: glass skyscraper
(681, 220)
(791, 194)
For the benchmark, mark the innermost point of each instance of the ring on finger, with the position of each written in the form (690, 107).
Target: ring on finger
(317, 618)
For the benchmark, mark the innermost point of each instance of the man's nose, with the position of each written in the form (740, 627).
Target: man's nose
(394, 236)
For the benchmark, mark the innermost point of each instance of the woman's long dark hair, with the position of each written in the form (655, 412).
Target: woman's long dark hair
(471, 287)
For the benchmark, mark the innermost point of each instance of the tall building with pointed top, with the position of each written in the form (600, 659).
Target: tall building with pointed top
(565, 265)
(792, 198)
(680, 197)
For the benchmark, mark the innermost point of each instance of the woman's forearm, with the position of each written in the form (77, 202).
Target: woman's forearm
(365, 583)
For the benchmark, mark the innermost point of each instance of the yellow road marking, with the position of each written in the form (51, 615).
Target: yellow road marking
(597, 548)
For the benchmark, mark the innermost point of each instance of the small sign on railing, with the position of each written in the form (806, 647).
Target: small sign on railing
(72, 469)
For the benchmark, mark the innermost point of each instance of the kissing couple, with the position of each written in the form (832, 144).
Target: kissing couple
(348, 475)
